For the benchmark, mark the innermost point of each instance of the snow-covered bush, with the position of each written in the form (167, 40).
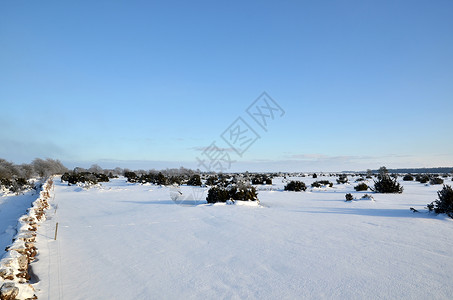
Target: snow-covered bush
(349, 197)
(16, 178)
(175, 180)
(343, 178)
(15, 185)
(84, 177)
(164, 177)
(383, 171)
(261, 179)
(144, 178)
(408, 177)
(194, 180)
(314, 175)
(387, 184)
(224, 180)
(436, 180)
(244, 193)
(444, 205)
(295, 186)
(361, 187)
(217, 194)
(211, 180)
(367, 197)
(422, 178)
(322, 183)
(131, 176)
(222, 194)
(161, 179)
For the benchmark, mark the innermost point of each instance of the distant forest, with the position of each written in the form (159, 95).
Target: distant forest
(420, 170)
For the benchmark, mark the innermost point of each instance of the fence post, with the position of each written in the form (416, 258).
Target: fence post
(56, 230)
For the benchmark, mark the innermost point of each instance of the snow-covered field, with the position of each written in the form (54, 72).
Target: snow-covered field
(131, 241)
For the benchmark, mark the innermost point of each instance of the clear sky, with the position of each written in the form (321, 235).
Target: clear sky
(149, 84)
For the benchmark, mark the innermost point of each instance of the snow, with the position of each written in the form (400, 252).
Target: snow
(12, 206)
(14, 264)
(131, 241)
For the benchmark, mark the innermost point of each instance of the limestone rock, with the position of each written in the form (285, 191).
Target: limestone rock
(8, 291)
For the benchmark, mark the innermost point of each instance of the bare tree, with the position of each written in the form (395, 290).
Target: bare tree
(26, 171)
(383, 171)
(47, 167)
(8, 169)
(95, 168)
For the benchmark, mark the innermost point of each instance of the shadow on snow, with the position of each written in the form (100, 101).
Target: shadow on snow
(376, 212)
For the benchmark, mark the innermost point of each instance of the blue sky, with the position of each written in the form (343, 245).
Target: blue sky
(148, 84)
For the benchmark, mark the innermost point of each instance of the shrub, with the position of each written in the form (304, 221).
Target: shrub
(144, 178)
(195, 180)
(436, 180)
(342, 179)
(74, 178)
(224, 180)
(295, 186)
(217, 194)
(387, 184)
(222, 194)
(361, 187)
(161, 179)
(349, 197)
(322, 183)
(40, 167)
(111, 175)
(153, 177)
(408, 177)
(261, 179)
(84, 177)
(21, 181)
(131, 176)
(212, 180)
(368, 197)
(243, 193)
(422, 178)
(444, 205)
(101, 177)
(314, 175)
(15, 185)
(175, 180)
(6, 183)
